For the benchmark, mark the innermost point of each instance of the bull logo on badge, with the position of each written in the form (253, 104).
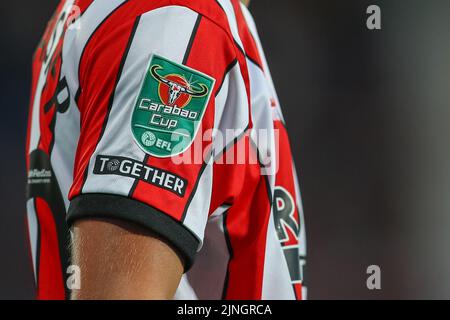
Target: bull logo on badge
(170, 107)
(175, 89)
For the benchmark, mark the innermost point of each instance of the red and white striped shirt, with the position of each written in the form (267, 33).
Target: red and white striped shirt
(112, 80)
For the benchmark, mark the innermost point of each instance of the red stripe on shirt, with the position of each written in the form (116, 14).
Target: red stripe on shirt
(285, 178)
(250, 47)
(246, 229)
(50, 277)
(100, 72)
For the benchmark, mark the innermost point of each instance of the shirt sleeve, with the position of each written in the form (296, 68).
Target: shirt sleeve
(148, 94)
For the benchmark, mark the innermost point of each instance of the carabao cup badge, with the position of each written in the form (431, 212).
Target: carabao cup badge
(170, 107)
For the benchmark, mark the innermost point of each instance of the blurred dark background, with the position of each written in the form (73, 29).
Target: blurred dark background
(369, 118)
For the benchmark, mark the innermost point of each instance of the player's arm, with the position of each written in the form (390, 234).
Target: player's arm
(120, 260)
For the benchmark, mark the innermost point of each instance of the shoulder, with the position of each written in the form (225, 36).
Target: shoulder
(119, 13)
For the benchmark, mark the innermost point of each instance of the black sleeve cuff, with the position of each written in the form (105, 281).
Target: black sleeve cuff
(123, 208)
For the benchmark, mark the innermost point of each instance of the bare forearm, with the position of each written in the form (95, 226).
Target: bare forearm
(121, 261)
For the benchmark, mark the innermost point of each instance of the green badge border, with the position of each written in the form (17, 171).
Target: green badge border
(182, 66)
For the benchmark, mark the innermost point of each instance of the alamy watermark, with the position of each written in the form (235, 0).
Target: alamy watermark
(73, 281)
(373, 21)
(373, 281)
